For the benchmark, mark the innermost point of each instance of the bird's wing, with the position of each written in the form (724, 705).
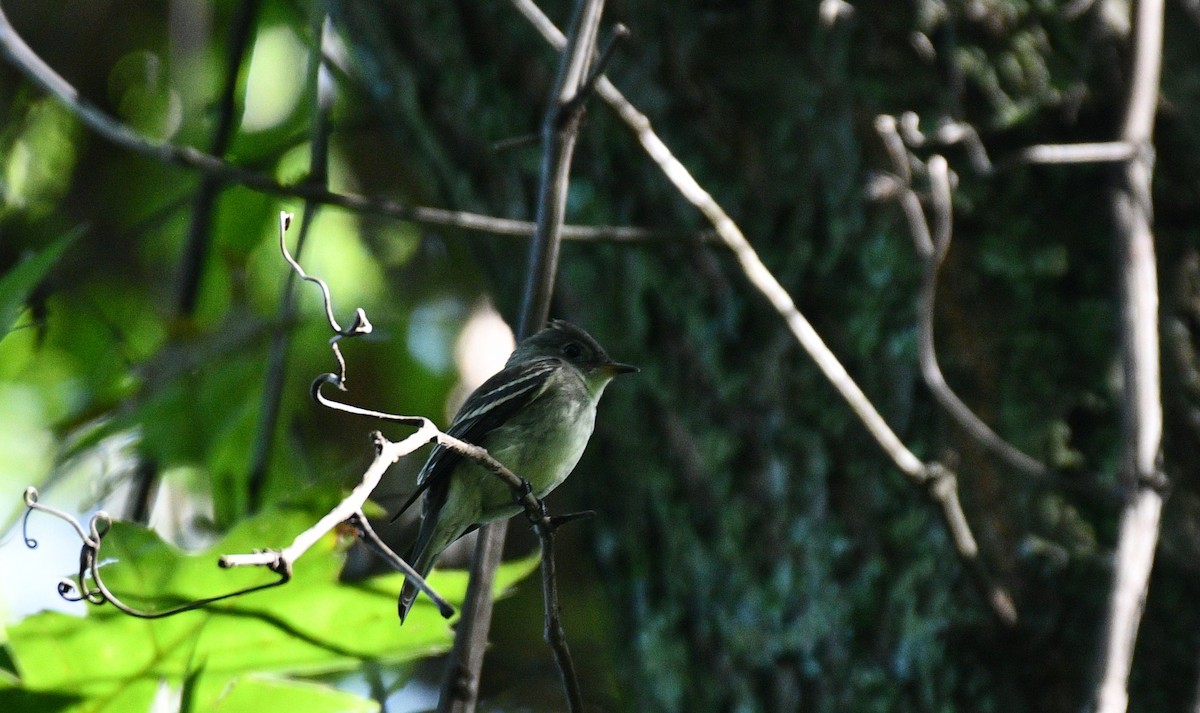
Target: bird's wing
(488, 408)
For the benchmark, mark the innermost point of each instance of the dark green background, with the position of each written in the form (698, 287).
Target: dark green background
(753, 550)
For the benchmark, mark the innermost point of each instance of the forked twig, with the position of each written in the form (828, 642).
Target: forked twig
(350, 509)
(932, 245)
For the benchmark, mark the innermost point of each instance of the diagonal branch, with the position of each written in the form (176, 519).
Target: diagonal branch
(938, 482)
(350, 509)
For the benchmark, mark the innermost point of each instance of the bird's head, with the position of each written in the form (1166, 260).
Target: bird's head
(563, 340)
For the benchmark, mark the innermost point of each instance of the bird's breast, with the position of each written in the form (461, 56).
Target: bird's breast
(545, 442)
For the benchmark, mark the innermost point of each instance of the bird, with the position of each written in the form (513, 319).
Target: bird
(535, 416)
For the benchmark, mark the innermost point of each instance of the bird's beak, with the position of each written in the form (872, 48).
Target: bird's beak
(614, 368)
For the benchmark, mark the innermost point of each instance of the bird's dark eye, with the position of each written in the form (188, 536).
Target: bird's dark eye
(572, 350)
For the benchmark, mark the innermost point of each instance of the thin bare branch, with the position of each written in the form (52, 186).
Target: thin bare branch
(932, 246)
(947, 133)
(1099, 152)
(350, 509)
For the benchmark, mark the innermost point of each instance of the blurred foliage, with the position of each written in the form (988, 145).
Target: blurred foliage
(753, 551)
(217, 656)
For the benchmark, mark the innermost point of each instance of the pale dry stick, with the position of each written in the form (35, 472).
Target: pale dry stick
(14, 48)
(1142, 425)
(1098, 152)
(939, 482)
(939, 179)
(947, 133)
(731, 235)
(901, 185)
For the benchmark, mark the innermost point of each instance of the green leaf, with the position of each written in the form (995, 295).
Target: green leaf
(314, 624)
(18, 283)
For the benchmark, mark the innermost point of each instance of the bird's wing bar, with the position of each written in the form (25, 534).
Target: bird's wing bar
(490, 407)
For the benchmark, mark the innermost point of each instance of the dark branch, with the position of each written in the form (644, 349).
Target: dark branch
(19, 54)
(200, 230)
(560, 128)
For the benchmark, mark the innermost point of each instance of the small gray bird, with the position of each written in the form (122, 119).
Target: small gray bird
(535, 417)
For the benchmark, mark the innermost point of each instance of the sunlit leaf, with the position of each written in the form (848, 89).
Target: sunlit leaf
(37, 159)
(262, 694)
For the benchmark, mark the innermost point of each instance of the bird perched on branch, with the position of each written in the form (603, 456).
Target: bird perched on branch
(535, 416)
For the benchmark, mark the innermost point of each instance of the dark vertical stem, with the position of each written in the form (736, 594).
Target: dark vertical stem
(199, 232)
(554, 633)
(145, 477)
(199, 238)
(560, 129)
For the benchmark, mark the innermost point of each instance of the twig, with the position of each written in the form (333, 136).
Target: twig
(1099, 152)
(560, 128)
(19, 54)
(932, 247)
(947, 133)
(1142, 424)
(931, 478)
(350, 509)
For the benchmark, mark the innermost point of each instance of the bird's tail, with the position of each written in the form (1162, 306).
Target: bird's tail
(422, 558)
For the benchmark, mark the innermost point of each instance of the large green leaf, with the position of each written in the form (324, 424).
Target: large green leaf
(313, 624)
(257, 693)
